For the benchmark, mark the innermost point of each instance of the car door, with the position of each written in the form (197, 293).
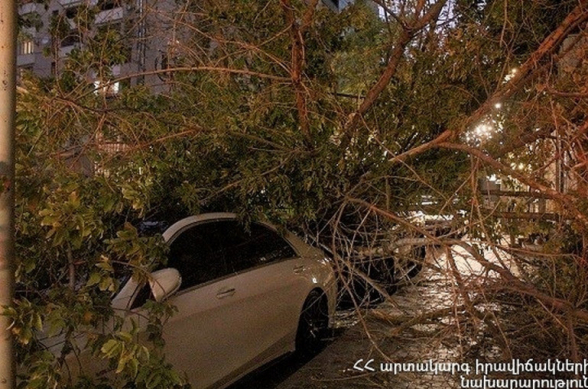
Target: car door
(238, 303)
(269, 293)
(200, 337)
(249, 314)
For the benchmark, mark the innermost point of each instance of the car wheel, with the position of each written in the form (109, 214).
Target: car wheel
(312, 325)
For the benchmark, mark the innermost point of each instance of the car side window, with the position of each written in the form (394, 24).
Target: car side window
(142, 296)
(258, 246)
(198, 255)
(211, 250)
(216, 249)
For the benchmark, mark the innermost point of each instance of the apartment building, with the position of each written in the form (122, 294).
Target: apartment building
(337, 5)
(53, 30)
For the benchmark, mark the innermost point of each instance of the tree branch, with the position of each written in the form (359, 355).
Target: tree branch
(578, 95)
(298, 57)
(407, 34)
(388, 11)
(512, 282)
(424, 147)
(527, 71)
(188, 69)
(561, 198)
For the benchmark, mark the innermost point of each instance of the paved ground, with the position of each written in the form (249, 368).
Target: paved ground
(386, 335)
(377, 337)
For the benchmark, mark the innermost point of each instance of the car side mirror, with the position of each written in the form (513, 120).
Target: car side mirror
(164, 283)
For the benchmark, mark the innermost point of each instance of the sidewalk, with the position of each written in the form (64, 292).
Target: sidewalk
(384, 342)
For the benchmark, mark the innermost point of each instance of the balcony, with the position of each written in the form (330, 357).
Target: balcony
(109, 16)
(67, 3)
(25, 59)
(26, 52)
(28, 8)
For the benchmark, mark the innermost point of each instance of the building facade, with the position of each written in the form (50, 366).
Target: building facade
(142, 32)
(53, 31)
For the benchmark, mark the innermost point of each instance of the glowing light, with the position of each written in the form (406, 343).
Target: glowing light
(511, 74)
(482, 132)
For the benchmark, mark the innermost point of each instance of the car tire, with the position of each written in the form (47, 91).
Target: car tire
(312, 325)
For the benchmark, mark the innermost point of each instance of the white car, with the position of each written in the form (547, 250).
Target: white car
(244, 297)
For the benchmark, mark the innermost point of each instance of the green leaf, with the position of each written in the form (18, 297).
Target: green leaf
(111, 348)
(94, 279)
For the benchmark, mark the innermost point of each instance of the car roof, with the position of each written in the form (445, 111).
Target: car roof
(182, 224)
(172, 232)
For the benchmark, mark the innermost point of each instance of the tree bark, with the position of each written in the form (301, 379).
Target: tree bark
(298, 58)
(407, 33)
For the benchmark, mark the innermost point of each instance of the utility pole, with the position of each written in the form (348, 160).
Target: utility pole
(8, 30)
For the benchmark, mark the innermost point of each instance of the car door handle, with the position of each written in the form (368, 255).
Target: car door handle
(225, 292)
(299, 269)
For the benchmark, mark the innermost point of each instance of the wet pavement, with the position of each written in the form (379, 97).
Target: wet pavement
(382, 336)
(379, 336)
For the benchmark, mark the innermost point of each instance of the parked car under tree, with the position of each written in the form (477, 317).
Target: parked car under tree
(245, 295)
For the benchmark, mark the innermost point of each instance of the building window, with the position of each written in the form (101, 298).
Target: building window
(72, 12)
(106, 28)
(333, 4)
(106, 88)
(26, 47)
(71, 39)
(106, 5)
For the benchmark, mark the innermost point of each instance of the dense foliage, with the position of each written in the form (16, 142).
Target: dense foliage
(273, 110)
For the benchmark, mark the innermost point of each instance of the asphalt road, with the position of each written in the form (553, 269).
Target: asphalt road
(270, 376)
